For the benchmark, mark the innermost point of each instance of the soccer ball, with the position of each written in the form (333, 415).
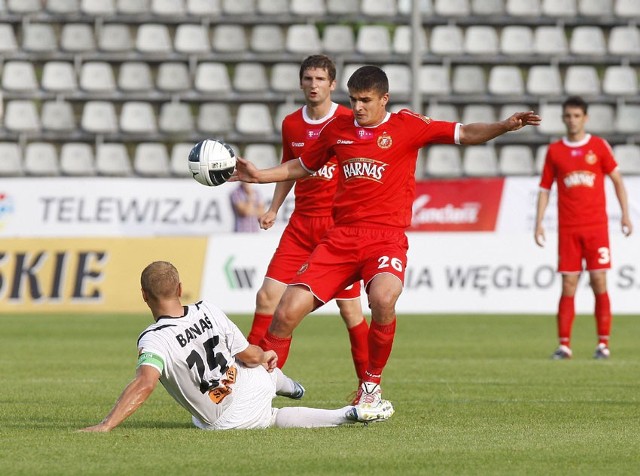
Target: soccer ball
(211, 162)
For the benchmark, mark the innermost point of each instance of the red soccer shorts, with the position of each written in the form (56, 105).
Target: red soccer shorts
(298, 241)
(590, 244)
(348, 254)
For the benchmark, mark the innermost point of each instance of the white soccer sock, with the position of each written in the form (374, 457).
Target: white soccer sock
(303, 417)
(284, 385)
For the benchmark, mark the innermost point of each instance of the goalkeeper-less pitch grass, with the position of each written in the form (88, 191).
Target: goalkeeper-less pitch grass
(473, 395)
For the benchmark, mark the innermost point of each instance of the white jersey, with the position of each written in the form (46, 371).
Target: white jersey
(193, 354)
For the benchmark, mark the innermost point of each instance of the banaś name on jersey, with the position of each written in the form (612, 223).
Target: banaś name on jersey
(376, 185)
(579, 168)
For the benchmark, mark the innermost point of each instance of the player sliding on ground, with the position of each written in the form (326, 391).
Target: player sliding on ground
(206, 364)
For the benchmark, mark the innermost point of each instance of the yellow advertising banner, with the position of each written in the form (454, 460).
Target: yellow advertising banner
(91, 274)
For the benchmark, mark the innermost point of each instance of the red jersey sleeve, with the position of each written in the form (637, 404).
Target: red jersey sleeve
(437, 132)
(609, 163)
(548, 171)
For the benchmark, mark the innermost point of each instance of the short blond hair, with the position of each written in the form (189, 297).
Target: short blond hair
(160, 280)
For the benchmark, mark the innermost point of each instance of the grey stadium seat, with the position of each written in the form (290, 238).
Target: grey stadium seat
(452, 8)
(114, 37)
(262, 155)
(39, 37)
(516, 160)
(303, 39)
(229, 39)
(41, 159)
(628, 158)
(443, 161)
(212, 78)
(446, 40)
(267, 39)
(21, 116)
(192, 39)
(97, 76)
(254, 119)
(19, 76)
(250, 77)
(77, 37)
(214, 118)
(11, 163)
(153, 38)
(338, 39)
(112, 159)
(178, 165)
(175, 118)
(480, 161)
(59, 76)
(138, 117)
(151, 159)
(620, 81)
(373, 40)
(57, 116)
(173, 77)
(76, 159)
(99, 117)
(481, 40)
(135, 76)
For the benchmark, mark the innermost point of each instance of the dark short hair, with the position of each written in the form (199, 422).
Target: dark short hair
(575, 101)
(319, 62)
(369, 78)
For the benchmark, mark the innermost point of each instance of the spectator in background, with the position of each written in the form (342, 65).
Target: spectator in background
(578, 164)
(248, 206)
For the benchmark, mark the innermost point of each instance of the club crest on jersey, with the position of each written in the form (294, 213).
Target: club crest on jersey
(360, 167)
(591, 158)
(579, 178)
(385, 141)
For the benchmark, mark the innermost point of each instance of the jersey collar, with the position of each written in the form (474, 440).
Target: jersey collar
(308, 120)
(579, 143)
(386, 118)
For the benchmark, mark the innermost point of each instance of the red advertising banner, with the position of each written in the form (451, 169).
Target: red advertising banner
(457, 205)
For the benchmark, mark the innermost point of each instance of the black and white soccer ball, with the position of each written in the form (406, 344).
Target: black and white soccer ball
(211, 162)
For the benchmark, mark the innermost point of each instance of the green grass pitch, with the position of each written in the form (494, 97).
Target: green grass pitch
(474, 395)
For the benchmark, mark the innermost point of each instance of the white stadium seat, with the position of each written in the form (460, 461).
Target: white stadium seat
(528, 8)
(151, 159)
(203, 7)
(191, 39)
(373, 40)
(624, 40)
(481, 40)
(137, 117)
(306, 8)
(174, 8)
(97, 76)
(11, 163)
(41, 159)
(443, 161)
(57, 116)
(446, 40)
(214, 118)
(620, 81)
(135, 76)
(550, 40)
(39, 37)
(342, 7)
(379, 8)
(212, 78)
(480, 161)
(59, 76)
(115, 37)
(582, 80)
(229, 38)
(178, 165)
(434, 80)
(587, 40)
(628, 119)
(267, 39)
(452, 8)
(303, 39)
(175, 118)
(403, 41)
(98, 7)
(506, 80)
(559, 8)
(254, 119)
(238, 7)
(601, 119)
(469, 79)
(478, 113)
(285, 77)
(21, 116)
(544, 80)
(262, 155)
(516, 40)
(487, 7)
(99, 117)
(19, 76)
(627, 8)
(112, 159)
(628, 158)
(516, 160)
(153, 38)
(76, 159)
(173, 77)
(250, 77)
(552, 123)
(595, 8)
(8, 42)
(77, 37)
(338, 39)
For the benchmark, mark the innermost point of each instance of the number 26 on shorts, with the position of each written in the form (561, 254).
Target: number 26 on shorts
(385, 262)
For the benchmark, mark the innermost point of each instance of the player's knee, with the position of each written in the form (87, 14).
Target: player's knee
(382, 302)
(266, 300)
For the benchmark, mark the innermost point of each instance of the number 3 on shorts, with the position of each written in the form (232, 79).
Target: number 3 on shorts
(385, 262)
(603, 252)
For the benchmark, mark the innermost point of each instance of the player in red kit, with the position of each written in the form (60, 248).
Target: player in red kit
(376, 153)
(578, 164)
(312, 214)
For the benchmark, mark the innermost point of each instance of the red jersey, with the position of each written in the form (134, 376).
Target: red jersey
(377, 165)
(579, 169)
(314, 194)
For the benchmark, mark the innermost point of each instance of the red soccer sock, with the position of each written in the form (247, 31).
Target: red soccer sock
(566, 315)
(358, 335)
(380, 340)
(280, 345)
(603, 318)
(261, 323)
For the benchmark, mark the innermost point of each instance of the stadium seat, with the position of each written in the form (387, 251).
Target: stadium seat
(469, 79)
(398, 106)
(175, 118)
(115, 37)
(516, 40)
(506, 80)
(285, 77)
(135, 76)
(434, 80)
(99, 117)
(620, 81)
(173, 77)
(229, 38)
(373, 40)
(550, 40)
(39, 38)
(452, 8)
(338, 39)
(267, 39)
(400, 80)
(19, 76)
(41, 159)
(442, 112)
(151, 159)
(137, 117)
(425, 7)
(113, 160)
(379, 8)
(559, 8)
(283, 110)
(171, 8)
(587, 40)
(552, 123)
(523, 8)
(628, 158)
(97, 77)
(214, 118)
(203, 8)
(191, 39)
(627, 8)
(628, 119)
(21, 116)
(307, 9)
(76, 159)
(273, 7)
(59, 76)
(541, 153)
(402, 40)
(544, 80)
(8, 42)
(98, 7)
(238, 7)
(262, 156)
(254, 119)
(595, 8)
(24, 6)
(57, 116)
(250, 77)
(343, 7)
(212, 78)
(443, 161)
(601, 119)
(446, 40)
(478, 113)
(346, 73)
(11, 163)
(153, 38)
(77, 37)
(132, 7)
(178, 165)
(624, 40)
(516, 160)
(480, 161)
(582, 80)
(487, 7)
(303, 39)
(507, 110)
(481, 40)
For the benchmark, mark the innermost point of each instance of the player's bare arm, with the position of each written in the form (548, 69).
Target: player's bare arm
(543, 201)
(480, 132)
(247, 172)
(621, 193)
(132, 397)
(279, 195)
(253, 356)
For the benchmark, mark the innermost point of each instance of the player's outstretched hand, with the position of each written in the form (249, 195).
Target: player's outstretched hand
(521, 119)
(245, 171)
(267, 220)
